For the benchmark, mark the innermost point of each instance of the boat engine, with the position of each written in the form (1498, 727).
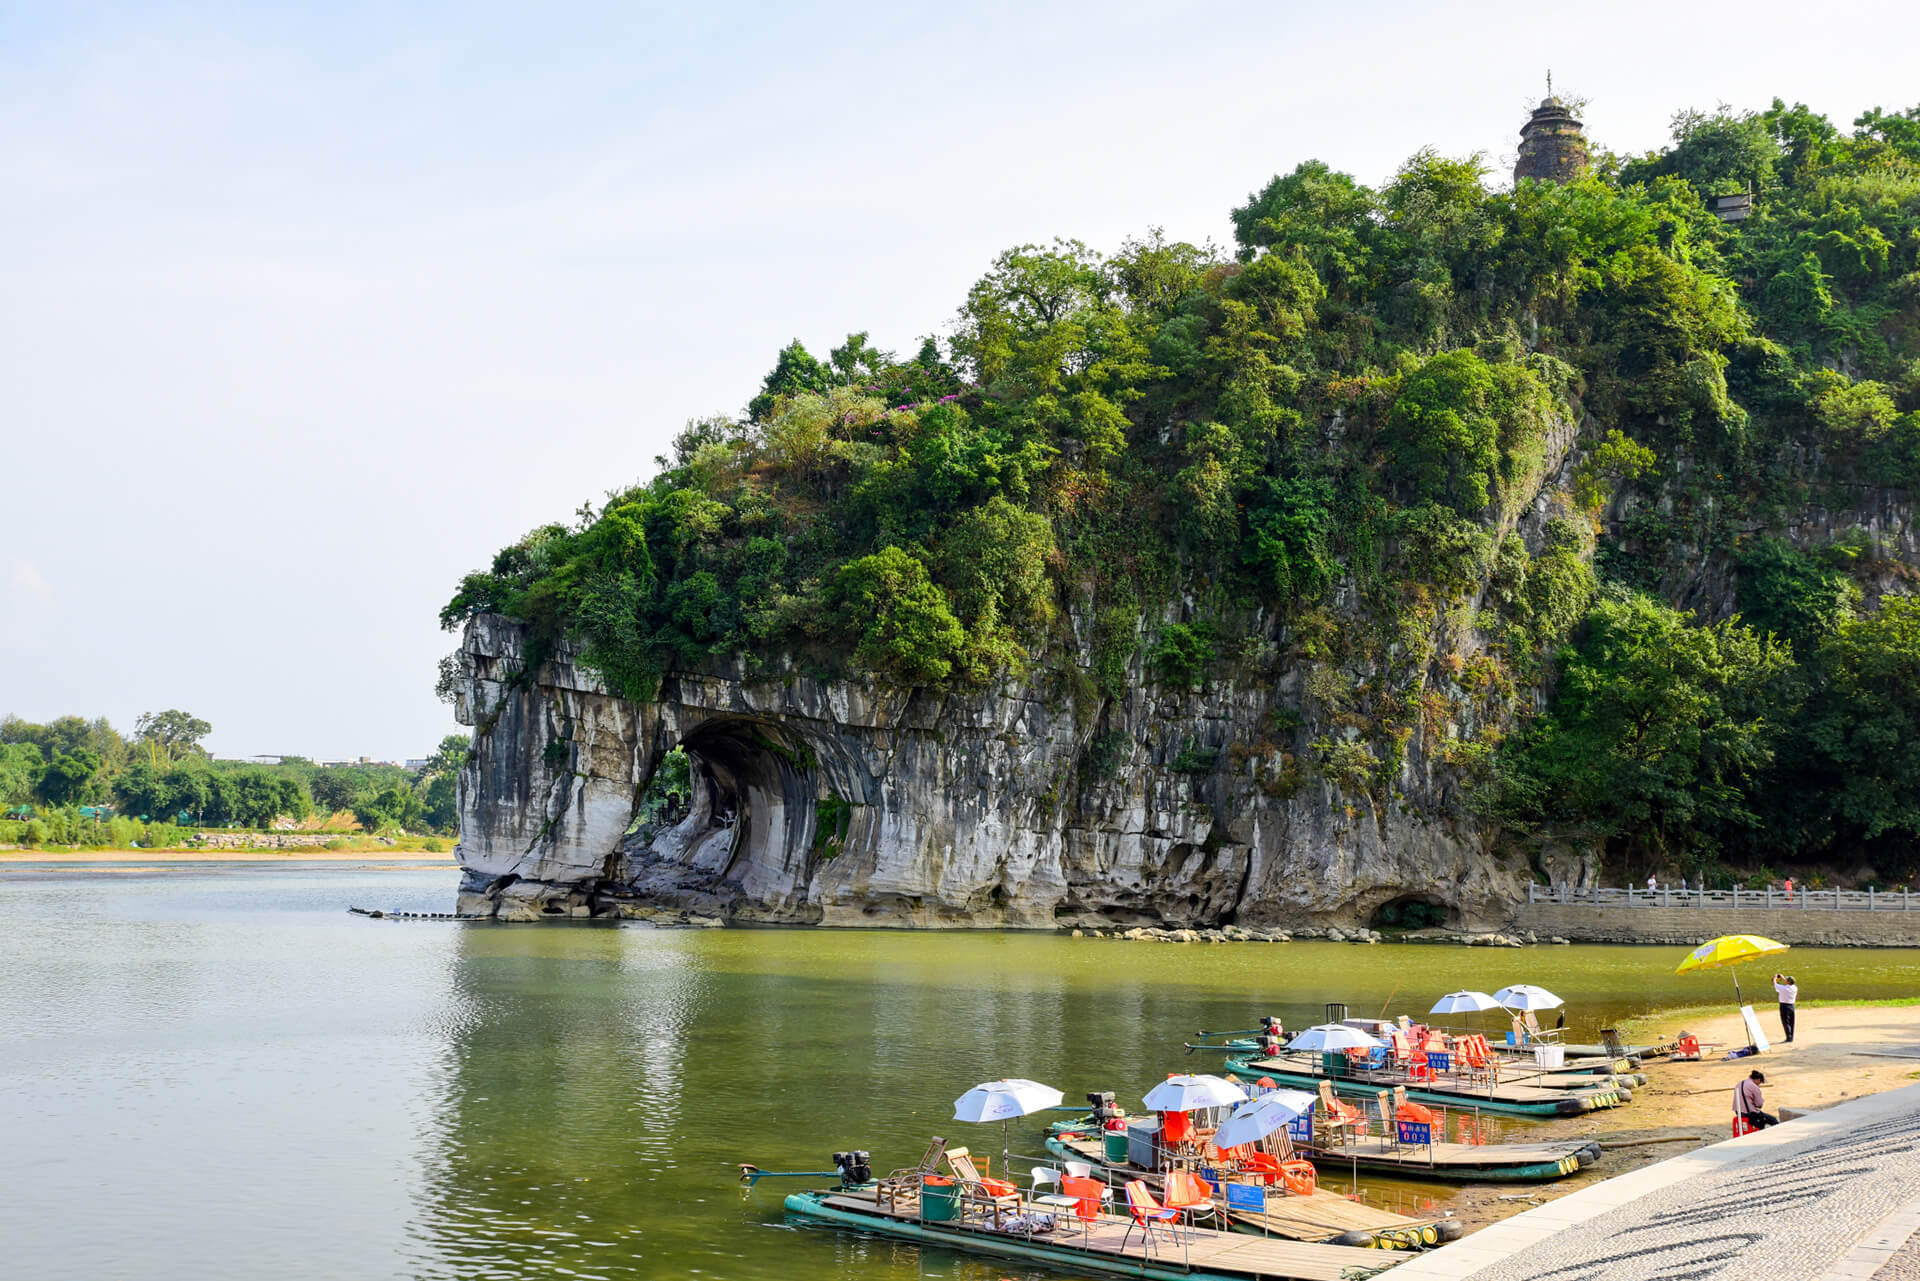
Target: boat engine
(1105, 1114)
(855, 1168)
(1270, 1036)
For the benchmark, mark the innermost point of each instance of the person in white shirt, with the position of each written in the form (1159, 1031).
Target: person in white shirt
(1651, 884)
(1789, 992)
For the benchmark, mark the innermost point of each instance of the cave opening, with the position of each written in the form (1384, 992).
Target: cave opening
(731, 791)
(1411, 912)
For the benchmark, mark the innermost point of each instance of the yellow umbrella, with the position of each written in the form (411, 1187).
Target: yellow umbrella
(1729, 950)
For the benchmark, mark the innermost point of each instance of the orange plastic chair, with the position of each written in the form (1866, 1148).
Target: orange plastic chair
(1086, 1193)
(1298, 1177)
(1146, 1212)
(1176, 1127)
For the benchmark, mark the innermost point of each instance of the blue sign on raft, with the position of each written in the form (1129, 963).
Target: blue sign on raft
(1246, 1196)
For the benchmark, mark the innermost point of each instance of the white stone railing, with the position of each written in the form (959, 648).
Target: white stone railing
(1778, 897)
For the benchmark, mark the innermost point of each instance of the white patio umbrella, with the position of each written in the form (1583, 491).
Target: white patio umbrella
(1256, 1119)
(1002, 1101)
(1186, 1093)
(1332, 1036)
(1525, 996)
(1464, 1002)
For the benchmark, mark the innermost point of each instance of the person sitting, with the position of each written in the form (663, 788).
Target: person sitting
(1748, 1103)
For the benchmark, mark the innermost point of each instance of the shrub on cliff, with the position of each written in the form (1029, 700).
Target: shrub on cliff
(901, 622)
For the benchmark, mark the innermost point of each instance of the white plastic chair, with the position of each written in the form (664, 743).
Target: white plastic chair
(1044, 1174)
(1080, 1169)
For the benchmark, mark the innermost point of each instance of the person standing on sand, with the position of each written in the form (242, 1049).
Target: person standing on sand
(1748, 1103)
(1789, 993)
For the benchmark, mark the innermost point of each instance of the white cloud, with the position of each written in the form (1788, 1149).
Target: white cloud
(28, 579)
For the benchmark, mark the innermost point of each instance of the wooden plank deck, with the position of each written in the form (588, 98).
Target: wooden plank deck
(1197, 1249)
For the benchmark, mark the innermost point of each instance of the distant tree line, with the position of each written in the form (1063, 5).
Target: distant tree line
(71, 766)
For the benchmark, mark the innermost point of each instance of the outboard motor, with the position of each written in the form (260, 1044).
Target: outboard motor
(855, 1168)
(1105, 1114)
(1270, 1036)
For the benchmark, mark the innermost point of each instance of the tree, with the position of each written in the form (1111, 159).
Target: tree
(69, 775)
(395, 806)
(171, 735)
(902, 626)
(448, 758)
(1866, 720)
(440, 801)
(793, 372)
(1442, 438)
(21, 766)
(1659, 732)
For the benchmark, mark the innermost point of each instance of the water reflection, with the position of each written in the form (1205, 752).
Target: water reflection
(229, 1068)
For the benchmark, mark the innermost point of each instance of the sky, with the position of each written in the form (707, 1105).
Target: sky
(307, 310)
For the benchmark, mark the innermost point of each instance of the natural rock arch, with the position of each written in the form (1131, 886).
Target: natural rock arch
(752, 817)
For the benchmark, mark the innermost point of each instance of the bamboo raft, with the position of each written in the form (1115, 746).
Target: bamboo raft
(1517, 1099)
(1104, 1244)
(1439, 1161)
(1456, 1162)
(1320, 1216)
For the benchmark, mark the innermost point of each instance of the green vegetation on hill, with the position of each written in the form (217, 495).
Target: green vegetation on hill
(1313, 452)
(60, 772)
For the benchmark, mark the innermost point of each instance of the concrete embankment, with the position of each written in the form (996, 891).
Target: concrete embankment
(1684, 925)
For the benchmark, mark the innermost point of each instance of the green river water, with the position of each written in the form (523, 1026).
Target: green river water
(221, 1074)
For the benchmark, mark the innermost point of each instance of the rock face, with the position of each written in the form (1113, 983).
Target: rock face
(1029, 804)
(831, 802)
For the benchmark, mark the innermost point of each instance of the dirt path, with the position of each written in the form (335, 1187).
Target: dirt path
(1692, 1103)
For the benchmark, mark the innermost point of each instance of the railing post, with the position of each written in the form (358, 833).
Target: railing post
(1869, 898)
(1529, 893)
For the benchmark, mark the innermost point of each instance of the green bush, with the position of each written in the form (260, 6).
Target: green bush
(1183, 654)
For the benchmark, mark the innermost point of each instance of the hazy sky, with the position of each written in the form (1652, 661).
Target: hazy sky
(307, 310)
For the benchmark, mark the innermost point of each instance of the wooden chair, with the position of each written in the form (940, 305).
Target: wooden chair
(903, 1186)
(995, 1196)
(1341, 1120)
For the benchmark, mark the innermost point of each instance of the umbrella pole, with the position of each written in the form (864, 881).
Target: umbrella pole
(1738, 1000)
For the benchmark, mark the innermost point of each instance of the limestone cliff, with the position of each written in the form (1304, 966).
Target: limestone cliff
(978, 810)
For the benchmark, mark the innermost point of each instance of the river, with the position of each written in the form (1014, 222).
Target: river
(220, 1073)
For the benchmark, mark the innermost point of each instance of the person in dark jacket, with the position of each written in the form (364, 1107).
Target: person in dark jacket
(1750, 1104)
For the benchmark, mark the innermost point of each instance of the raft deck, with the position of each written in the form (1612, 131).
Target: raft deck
(1319, 1216)
(1517, 1099)
(1103, 1244)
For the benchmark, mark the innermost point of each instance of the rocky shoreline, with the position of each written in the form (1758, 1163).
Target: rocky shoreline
(1332, 934)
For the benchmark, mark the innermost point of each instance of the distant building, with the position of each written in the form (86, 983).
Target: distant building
(1553, 145)
(416, 763)
(1737, 207)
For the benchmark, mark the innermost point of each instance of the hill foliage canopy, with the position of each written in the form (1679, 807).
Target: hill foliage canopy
(1316, 449)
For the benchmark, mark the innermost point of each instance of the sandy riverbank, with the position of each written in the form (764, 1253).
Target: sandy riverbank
(185, 856)
(1831, 1059)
